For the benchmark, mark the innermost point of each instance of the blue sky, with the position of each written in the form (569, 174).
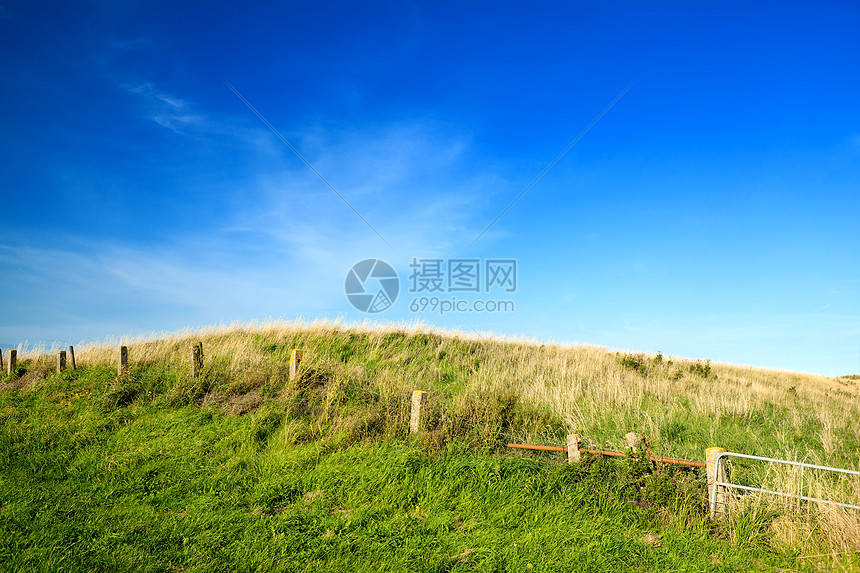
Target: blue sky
(712, 212)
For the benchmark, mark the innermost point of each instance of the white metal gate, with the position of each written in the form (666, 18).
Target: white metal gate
(719, 459)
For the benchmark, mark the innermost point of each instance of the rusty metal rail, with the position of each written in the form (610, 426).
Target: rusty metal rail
(674, 461)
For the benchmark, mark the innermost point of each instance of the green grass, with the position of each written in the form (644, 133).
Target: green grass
(155, 489)
(242, 469)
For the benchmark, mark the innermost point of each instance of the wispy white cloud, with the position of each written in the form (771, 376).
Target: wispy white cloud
(414, 183)
(157, 104)
(181, 114)
(165, 109)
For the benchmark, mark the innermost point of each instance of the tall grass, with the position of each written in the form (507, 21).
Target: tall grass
(489, 389)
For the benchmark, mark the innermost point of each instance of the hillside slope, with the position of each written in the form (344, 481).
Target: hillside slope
(108, 455)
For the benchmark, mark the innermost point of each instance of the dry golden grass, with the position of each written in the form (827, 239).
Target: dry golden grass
(587, 387)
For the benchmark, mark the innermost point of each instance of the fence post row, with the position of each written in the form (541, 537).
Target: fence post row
(419, 397)
(61, 360)
(122, 363)
(196, 359)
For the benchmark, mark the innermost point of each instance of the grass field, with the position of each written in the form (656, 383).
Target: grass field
(242, 469)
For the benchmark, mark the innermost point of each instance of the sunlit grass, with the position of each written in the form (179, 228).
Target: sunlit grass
(243, 418)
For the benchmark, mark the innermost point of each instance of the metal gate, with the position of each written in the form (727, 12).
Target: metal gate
(717, 483)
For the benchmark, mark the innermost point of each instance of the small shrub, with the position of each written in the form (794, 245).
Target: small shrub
(637, 363)
(660, 488)
(638, 466)
(641, 363)
(702, 369)
(677, 488)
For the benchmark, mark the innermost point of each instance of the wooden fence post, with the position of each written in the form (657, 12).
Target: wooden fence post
(1, 360)
(13, 360)
(295, 361)
(716, 471)
(61, 361)
(196, 359)
(419, 397)
(632, 441)
(573, 443)
(122, 363)
(72, 357)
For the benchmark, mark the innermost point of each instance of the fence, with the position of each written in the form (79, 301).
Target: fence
(720, 483)
(64, 360)
(715, 464)
(675, 461)
(67, 359)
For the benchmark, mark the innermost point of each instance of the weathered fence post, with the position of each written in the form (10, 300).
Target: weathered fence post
(716, 471)
(122, 363)
(632, 441)
(1, 360)
(196, 359)
(61, 361)
(419, 397)
(13, 360)
(295, 360)
(72, 357)
(573, 443)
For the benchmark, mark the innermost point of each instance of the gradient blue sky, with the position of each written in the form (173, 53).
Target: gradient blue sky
(711, 213)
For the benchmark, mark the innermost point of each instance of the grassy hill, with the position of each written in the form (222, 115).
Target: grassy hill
(244, 469)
